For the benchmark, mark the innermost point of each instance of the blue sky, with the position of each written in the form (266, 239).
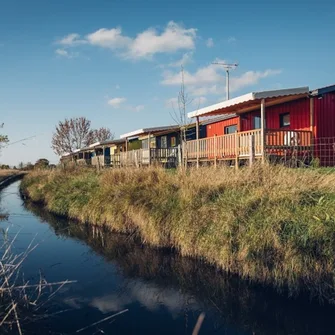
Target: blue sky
(118, 62)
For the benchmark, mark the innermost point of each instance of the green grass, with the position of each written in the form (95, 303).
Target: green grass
(269, 224)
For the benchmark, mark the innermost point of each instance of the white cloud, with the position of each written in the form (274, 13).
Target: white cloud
(62, 52)
(71, 40)
(109, 38)
(210, 80)
(146, 44)
(172, 39)
(65, 53)
(120, 102)
(250, 78)
(205, 75)
(116, 102)
(231, 39)
(117, 87)
(185, 59)
(210, 43)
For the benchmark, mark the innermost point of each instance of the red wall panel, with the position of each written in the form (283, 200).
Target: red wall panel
(217, 128)
(299, 116)
(324, 119)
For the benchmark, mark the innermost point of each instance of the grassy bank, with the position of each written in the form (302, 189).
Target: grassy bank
(8, 173)
(270, 224)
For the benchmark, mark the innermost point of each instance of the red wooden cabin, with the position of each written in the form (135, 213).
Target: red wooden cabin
(283, 123)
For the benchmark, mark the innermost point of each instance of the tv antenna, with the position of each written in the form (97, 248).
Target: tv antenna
(227, 67)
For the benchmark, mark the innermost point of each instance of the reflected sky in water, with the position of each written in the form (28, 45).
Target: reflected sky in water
(163, 292)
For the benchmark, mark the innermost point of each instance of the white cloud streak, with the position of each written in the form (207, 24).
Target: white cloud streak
(210, 43)
(116, 102)
(231, 39)
(66, 54)
(71, 40)
(145, 45)
(210, 80)
(185, 59)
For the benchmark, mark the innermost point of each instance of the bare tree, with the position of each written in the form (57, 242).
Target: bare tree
(76, 133)
(103, 134)
(180, 115)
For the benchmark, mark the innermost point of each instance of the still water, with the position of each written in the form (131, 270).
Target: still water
(163, 292)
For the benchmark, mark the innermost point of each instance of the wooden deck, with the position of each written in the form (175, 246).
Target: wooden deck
(277, 144)
(241, 145)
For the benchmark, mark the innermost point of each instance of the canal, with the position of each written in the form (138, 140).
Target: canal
(162, 292)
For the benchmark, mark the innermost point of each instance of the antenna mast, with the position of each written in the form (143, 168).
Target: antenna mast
(227, 67)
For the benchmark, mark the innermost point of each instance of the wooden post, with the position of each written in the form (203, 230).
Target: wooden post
(197, 138)
(263, 130)
(149, 149)
(311, 114)
(98, 160)
(215, 150)
(125, 158)
(251, 149)
(237, 150)
(103, 156)
(179, 163)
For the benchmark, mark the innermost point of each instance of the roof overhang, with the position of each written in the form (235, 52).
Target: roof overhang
(323, 90)
(251, 101)
(153, 130)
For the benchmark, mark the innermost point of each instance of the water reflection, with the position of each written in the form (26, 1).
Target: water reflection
(163, 283)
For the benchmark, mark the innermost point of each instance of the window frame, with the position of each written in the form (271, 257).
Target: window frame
(258, 117)
(165, 141)
(281, 120)
(173, 141)
(228, 127)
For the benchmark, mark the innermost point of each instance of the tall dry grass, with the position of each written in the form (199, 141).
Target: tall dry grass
(269, 223)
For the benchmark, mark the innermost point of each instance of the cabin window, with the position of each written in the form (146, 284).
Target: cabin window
(173, 141)
(284, 120)
(257, 122)
(164, 142)
(230, 129)
(145, 144)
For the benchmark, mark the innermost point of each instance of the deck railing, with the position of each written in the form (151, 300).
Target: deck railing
(288, 138)
(142, 157)
(244, 142)
(239, 144)
(98, 160)
(83, 161)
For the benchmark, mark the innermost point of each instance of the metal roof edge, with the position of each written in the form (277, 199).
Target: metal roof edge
(141, 131)
(132, 133)
(249, 97)
(223, 104)
(279, 93)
